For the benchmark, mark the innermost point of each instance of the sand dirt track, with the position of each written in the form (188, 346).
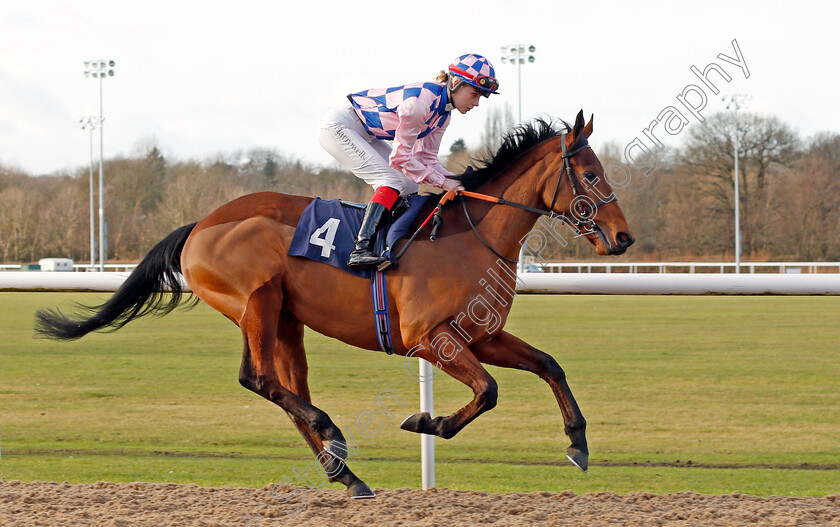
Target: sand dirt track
(151, 504)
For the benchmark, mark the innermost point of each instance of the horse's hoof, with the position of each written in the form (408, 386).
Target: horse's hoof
(416, 422)
(336, 449)
(358, 490)
(578, 458)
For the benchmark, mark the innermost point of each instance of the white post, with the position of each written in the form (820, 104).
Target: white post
(427, 442)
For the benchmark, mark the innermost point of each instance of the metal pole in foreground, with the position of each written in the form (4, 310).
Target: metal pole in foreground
(427, 442)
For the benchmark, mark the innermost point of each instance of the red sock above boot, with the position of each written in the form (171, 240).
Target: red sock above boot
(385, 196)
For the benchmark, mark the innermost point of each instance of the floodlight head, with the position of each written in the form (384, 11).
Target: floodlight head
(532, 49)
(736, 101)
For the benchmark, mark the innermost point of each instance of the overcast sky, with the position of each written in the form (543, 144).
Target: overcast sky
(199, 78)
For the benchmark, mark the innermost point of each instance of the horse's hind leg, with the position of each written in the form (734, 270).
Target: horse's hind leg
(274, 366)
(507, 351)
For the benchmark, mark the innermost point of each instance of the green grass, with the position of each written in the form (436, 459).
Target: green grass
(705, 394)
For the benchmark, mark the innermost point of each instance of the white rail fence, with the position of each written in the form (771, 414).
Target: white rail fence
(680, 284)
(48, 281)
(602, 266)
(76, 267)
(691, 267)
(555, 283)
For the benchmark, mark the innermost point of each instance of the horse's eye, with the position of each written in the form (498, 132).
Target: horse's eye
(589, 175)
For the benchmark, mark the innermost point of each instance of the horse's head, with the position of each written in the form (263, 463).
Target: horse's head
(576, 188)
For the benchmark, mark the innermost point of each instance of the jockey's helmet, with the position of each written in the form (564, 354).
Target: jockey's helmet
(476, 71)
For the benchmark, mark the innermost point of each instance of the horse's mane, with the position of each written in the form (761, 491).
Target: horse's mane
(514, 143)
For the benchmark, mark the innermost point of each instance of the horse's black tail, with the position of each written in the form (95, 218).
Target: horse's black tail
(152, 288)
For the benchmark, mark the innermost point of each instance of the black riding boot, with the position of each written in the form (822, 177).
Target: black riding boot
(363, 257)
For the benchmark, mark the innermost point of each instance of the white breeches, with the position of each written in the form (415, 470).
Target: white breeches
(342, 134)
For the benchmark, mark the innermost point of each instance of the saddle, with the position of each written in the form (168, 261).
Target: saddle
(327, 230)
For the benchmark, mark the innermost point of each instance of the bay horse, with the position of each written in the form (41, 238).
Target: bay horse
(236, 261)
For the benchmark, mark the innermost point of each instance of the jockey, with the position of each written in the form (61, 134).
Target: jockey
(414, 117)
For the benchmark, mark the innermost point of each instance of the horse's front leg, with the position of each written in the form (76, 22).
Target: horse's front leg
(507, 351)
(450, 353)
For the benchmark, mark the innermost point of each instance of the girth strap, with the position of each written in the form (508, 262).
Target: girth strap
(379, 290)
(379, 293)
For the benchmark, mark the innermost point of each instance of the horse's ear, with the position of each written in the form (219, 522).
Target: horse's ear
(578, 127)
(587, 130)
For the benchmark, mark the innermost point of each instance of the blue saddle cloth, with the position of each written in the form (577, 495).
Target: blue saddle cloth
(327, 229)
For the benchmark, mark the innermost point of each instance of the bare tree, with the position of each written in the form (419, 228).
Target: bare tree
(766, 145)
(133, 191)
(805, 222)
(192, 191)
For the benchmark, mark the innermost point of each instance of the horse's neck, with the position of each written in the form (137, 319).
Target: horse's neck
(522, 183)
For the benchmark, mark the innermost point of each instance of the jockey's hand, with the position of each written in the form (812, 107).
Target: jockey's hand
(451, 184)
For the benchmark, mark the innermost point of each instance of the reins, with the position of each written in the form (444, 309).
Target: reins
(576, 223)
(480, 237)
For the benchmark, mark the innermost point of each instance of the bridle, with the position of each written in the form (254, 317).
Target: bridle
(588, 209)
(583, 204)
(578, 192)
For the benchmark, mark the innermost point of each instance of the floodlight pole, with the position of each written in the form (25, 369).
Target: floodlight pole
(515, 54)
(102, 239)
(737, 208)
(90, 123)
(99, 69)
(736, 102)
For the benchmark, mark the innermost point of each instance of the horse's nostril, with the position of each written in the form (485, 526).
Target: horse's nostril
(624, 239)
